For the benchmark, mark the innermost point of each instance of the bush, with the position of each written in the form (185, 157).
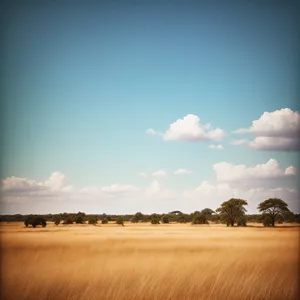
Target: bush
(279, 219)
(134, 219)
(242, 221)
(154, 221)
(267, 221)
(35, 221)
(67, 221)
(104, 221)
(165, 219)
(199, 218)
(93, 221)
(79, 220)
(119, 221)
(57, 221)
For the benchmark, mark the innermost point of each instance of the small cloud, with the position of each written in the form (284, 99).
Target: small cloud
(116, 188)
(217, 147)
(182, 172)
(159, 173)
(290, 171)
(153, 132)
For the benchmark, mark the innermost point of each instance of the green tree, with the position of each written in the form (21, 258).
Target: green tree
(57, 220)
(79, 220)
(119, 221)
(134, 219)
(207, 211)
(139, 216)
(231, 210)
(165, 219)
(93, 220)
(199, 218)
(104, 221)
(154, 218)
(273, 207)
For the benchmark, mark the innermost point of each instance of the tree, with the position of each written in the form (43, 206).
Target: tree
(273, 207)
(199, 218)
(165, 219)
(35, 221)
(231, 210)
(57, 220)
(207, 211)
(79, 220)
(154, 219)
(134, 219)
(104, 221)
(119, 221)
(242, 221)
(68, 221)
(93, 220)
(139, 216)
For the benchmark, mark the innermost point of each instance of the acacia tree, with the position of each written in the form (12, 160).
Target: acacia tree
(272, 208)
(231, 210)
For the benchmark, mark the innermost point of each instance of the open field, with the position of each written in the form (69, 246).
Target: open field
(143, 261)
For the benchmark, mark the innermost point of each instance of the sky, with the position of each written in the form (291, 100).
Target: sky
(151, 106)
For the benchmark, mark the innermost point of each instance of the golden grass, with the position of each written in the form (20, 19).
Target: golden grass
(142, 261)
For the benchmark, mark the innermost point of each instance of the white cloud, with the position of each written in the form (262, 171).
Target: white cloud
(217, 147)
(290, 171)
(160, 173)
(56, 181)
(182, 172)
(227, 172)
(116, 188)
(190, 129)
(278, 130)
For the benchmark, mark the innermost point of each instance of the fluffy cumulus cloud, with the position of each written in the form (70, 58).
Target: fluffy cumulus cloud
(227, 172)
(216, 147)
(182, 172)
(278, 130)
(190, 129)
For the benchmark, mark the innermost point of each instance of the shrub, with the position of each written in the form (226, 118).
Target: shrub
(165, 219)
(134, 219)
(67, 221)
(199, 218)
(279, 219)
(267, 221)
(154, 221)
(35, 221)
(242, 221)
(119, 221)
(93, 221)
(57, 221)
(104, 221)
(79, 220)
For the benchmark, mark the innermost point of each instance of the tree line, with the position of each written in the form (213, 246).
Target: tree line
(231, 213)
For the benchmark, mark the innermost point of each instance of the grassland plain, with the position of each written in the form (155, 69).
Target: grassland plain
(143, 261)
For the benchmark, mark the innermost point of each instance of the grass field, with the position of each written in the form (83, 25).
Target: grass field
(143, 261)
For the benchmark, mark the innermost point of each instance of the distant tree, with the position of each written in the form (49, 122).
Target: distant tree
(134, 219)
(267, 221)
(154, 221)
(165, 219)
(207, 211)
(35, 221)
(273, 207)
(289, 217)
(79, 220)
(139, 216)
(104, 221)
(231, 210)
(182, 218)
(68, 221)
(57, 220)
(93, 220)
(119, 221)
(242, 221)
(199, 218)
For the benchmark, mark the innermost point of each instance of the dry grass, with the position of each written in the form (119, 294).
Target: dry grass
(141, 261)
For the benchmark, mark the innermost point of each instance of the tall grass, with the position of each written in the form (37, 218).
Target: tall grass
(149, 262)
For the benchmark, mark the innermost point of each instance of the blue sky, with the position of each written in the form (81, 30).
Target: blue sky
(83, 82)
